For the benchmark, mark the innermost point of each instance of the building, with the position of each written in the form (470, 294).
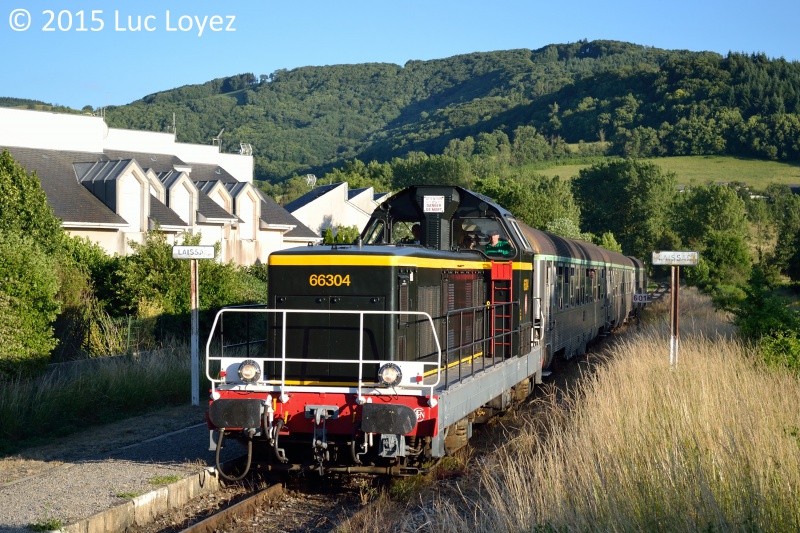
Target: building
(113, 185)
(334, 205)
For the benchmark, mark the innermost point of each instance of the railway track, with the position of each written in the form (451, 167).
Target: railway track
(244, 510)
(291, 504)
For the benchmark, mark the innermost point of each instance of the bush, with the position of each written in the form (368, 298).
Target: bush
(28, 286)
(782, 350)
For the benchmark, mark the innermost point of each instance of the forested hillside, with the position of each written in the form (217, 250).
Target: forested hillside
(644, 101)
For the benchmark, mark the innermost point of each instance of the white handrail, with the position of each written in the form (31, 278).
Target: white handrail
(283, 359)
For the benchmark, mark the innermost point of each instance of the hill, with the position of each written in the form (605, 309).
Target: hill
(637, 101)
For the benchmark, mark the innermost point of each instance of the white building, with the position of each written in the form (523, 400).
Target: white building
(113, 185)
(331, 206)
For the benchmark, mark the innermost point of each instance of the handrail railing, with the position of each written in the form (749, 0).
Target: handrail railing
(483, 338)
(284, 359)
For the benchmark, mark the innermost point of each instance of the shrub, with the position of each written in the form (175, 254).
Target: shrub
(28, 286)
(782, 350)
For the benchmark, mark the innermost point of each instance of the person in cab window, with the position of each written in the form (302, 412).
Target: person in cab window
(416, 231)
(498, 246)
(468, 242)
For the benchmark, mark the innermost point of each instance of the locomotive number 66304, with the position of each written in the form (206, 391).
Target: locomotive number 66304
(328, 280)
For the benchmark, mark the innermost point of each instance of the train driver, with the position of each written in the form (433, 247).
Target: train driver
(416, 231)
(498, 246)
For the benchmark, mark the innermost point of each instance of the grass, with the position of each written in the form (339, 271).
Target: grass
(48, 523)
(164, 480)
(699, 170)
(711, 445)
(33, 411)
(129, 495)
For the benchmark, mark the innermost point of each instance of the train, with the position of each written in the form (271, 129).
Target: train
(380, 356)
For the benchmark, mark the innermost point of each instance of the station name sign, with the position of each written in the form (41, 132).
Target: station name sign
(676, 258)
(193, 252)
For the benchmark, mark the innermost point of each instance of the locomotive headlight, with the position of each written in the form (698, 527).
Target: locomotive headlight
(390, 375)
(249, 371)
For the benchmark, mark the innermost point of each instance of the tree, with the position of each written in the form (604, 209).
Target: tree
(534, 199)
(28, 306)
(567, 228)
(30, 244)
(24, 208)
(608, 242)
(703, 209)
(629, 198)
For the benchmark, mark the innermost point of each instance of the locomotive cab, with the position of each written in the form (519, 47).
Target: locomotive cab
(448, 220)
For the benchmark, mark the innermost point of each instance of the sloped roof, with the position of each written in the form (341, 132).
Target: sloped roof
(168, 178)
(272, 213)
(166, 217)
(352, 193)
(210, 209)
(156, 162)
(70, 201)
(310, 196)
(206, 172)
(101, 178)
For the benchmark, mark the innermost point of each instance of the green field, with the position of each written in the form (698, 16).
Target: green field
(697, 170)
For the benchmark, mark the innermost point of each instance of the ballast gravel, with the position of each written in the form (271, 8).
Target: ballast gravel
(79, 476)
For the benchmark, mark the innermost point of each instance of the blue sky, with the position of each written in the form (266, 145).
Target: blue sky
(85, 52)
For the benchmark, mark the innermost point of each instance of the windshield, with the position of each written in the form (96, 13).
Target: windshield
(486, 235)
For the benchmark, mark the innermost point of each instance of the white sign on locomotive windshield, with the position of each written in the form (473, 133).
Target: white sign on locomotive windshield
(433, 204)
(676, 258)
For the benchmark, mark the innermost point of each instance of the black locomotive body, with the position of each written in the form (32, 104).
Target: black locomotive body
(381, 355)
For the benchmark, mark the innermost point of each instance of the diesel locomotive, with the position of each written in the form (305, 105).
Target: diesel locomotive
(381, 355)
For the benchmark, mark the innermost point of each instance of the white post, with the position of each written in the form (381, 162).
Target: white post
(195, 362)
(674, 313)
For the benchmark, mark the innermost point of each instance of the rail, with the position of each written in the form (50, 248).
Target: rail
(426, 368)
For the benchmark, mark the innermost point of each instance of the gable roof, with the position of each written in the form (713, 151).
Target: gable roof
(311, 195)
(208, 207)
(206, 172)
(102, 177)
(165, 217)
(272, 213)
(70, 201)
(156, 162)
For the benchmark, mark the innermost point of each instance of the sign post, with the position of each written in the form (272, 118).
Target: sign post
(675, 260)
(194, 253)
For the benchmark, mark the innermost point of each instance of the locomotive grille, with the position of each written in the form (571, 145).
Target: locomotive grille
(429, 302)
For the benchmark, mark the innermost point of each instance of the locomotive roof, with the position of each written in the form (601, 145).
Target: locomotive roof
(407, 205)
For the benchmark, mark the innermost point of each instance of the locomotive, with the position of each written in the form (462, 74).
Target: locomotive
(380, 356)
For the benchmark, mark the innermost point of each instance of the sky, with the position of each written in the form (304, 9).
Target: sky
(112, 52)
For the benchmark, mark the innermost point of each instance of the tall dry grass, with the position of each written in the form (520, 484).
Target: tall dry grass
(711, 445)
(60, 403)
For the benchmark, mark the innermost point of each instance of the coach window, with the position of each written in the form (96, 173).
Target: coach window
(572, 286)
(560, 287)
